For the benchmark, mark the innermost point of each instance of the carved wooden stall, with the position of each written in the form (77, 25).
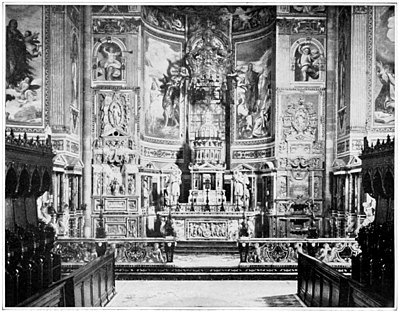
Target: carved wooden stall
(92, 285)
(374, 268)
(30, 264)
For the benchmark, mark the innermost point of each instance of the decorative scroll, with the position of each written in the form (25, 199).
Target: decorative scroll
(264, 153)
(308, 26)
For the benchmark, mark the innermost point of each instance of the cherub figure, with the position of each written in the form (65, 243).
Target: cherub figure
(157, 253)
(32, 43)
(308, 62)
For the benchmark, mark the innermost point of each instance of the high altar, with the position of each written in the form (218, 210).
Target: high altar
(212, 115)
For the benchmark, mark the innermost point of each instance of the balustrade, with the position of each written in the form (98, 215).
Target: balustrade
(126, 250)
(334, 251)
(200, 208)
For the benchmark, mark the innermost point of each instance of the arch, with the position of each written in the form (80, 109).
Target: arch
(11, 183)
(23, 183)
(46, 182)
(100, 42)
(388, 185)
(35, 183)
(367, 183)
(377, 185)
(295, 46)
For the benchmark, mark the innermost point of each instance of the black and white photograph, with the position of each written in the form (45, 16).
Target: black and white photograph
(199, 156)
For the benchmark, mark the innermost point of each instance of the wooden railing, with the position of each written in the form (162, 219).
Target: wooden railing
(319, 285)
(93, 285)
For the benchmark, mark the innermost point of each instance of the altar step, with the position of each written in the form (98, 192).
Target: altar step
(206, 247)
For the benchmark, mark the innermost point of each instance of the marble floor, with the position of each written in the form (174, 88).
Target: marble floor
(229, 294)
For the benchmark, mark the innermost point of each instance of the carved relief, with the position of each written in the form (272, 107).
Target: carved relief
(114, 113)
(116, 229)
(308, 27)
(300, 121)
(207, 229)
(317, 187)
(133, 228)
(282, 187)
(264, 153)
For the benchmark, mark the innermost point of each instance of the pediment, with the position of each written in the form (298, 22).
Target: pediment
(150, 165)
(354, 161)
(338, 163)
(170, 167)
(60, 160)
(244, 167)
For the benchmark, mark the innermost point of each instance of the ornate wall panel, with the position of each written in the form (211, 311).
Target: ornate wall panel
(344, 64)
(163, 90)
(383, 67)
(253, 99)
(26, 49)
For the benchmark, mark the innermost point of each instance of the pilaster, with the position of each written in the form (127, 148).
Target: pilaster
(87, 124)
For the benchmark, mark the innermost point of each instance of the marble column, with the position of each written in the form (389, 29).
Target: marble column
(87, 117)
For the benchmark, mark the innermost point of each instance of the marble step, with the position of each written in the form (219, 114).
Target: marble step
(203, 246)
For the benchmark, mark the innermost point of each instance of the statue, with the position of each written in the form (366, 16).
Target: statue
(173, 188)
(146, 193)
(369, 209)
(63, 221)
(241, 192)
(308, 62)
